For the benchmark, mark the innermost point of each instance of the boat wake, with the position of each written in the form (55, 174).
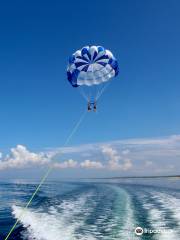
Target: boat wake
(100, 213)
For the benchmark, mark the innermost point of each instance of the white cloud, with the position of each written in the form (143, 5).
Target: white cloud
(125, 152)
(21, 157)
(127, 164)
(66, 164)
(115, 160)
(84, 148)
(143, 156)
(148, 163)
(171, 140)
(168, 140)
(91, 164)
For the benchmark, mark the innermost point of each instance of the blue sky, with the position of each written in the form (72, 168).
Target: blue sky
(39, 107)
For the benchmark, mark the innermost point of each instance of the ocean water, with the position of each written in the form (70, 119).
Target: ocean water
(91, 210)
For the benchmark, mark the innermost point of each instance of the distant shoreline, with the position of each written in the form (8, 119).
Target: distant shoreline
(137, 177)
(36, 181)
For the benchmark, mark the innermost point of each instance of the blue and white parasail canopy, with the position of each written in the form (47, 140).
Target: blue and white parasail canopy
(92, 65)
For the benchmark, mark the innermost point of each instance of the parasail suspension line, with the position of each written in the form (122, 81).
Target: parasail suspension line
(74, 130)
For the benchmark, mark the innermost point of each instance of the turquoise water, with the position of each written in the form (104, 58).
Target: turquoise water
(91, 211)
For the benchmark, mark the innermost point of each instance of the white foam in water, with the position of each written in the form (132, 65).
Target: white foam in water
(127, 231)
(54, 224)
(158, 220)
(121, 224)
(67, 221)
(61, 222)
(171, 203)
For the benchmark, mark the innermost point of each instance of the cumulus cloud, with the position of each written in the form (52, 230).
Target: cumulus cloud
(127, 164)
(91, 164)
(133, 156)
(66, 164)
(115, 160)
(21, 157)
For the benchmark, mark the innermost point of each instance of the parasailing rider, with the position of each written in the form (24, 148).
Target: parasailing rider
(95, 106)
(89, 107)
